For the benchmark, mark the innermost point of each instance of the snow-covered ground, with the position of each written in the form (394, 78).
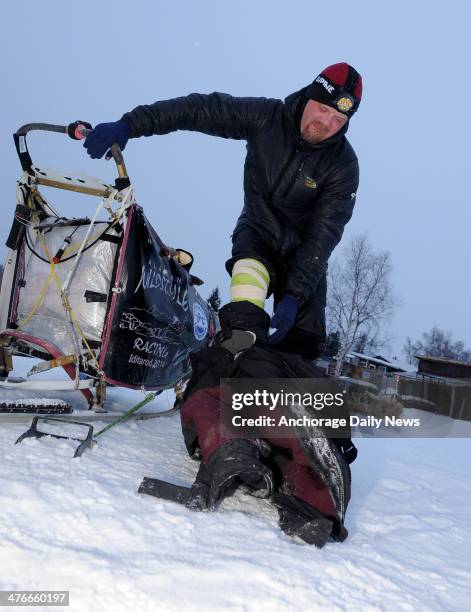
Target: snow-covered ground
(79, 525)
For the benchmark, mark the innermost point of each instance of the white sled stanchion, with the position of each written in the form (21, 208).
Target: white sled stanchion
(48, 385)
(68, 285)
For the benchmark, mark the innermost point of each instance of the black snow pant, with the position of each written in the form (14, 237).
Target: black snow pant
(308, 335)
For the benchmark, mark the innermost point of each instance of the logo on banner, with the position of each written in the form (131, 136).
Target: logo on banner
(200, 323)
(160, 278)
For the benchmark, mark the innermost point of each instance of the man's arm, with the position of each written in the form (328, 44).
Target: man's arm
(333, 211)
(217, 114)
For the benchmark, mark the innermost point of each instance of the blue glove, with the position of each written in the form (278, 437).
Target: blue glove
(284, 317)
(104, 135)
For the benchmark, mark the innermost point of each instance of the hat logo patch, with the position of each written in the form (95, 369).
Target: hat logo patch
(344, 104)
(310, 183)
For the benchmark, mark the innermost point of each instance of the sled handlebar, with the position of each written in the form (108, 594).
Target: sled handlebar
(82, 130)
(77, 131)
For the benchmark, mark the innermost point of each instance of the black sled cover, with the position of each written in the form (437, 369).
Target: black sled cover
(156, 317)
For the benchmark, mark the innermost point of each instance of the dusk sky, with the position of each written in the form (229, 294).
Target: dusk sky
(94, 61)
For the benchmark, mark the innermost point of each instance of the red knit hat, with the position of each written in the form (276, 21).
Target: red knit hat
(338, 86)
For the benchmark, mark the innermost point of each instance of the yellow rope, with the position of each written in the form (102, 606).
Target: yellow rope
(43, 290)
(66, 253)
(65, 301)
(38, 303)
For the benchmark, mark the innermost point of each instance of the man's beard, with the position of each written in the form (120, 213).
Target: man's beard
(314, 132)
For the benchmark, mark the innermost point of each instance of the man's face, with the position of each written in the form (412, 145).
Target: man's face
(320, 122)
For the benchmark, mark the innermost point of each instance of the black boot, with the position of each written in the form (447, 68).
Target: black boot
(234, 464)
(236, 340)
(296, 518)
(247, 316)
(198, 497)
(238, 463)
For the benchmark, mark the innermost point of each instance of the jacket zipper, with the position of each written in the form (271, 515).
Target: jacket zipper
(295, 178)
(283, 170)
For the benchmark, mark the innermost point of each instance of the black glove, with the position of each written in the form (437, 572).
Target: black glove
(104, 135)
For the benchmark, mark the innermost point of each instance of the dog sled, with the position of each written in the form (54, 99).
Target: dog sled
(100, 296)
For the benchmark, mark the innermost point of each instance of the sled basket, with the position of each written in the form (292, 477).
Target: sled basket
(102, 296)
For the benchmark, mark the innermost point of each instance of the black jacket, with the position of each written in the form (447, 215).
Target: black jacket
(297, 196)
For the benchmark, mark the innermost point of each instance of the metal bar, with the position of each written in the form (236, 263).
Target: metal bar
(43, 127)
(119, 160)
(49, 385)
(67, 186)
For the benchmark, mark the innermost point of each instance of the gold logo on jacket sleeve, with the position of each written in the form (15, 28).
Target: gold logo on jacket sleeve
(310, 182)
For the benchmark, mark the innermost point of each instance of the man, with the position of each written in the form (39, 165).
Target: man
(300, 183)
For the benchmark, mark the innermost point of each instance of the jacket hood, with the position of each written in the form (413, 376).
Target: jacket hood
(294, 106)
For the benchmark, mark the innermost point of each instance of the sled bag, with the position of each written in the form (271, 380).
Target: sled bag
(156, 317)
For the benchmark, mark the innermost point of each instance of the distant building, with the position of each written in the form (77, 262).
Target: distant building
(359, 365)
(445, 368)
(377, 363)
(440, 385)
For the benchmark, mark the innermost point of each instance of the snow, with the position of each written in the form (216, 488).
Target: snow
(79, 525)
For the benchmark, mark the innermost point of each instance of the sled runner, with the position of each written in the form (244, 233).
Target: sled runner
(164, 490)
(101, 296)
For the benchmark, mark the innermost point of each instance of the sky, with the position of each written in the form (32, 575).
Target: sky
(63, 61)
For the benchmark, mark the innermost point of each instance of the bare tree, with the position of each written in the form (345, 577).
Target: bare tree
(436, 343)
(410, 349)
(371, 345)
(360, 296)
(214, 299)
(332, 344)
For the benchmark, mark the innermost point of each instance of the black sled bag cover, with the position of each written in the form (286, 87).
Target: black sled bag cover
(156, 318)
